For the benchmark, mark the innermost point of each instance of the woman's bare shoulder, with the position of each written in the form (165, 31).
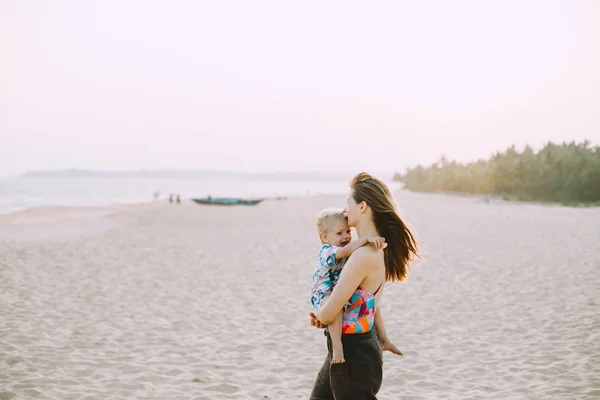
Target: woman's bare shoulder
(366, 254)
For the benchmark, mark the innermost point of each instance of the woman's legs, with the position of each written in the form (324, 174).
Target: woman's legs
(359, 378)
(356, 381)
(322, 387)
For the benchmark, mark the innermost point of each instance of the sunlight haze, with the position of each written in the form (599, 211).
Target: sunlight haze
(291, 86)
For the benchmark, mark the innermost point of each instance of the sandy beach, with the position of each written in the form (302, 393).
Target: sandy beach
(166, 301)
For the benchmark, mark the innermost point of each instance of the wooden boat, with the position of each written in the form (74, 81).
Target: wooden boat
(228, 201)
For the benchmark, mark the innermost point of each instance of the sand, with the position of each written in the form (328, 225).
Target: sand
(165, 301)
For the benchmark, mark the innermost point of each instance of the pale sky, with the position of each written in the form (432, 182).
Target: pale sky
(291, 85)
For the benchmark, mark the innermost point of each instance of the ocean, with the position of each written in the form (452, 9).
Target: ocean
(21, 193)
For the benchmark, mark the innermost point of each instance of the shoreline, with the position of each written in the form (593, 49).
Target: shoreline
(5, 212)
(398, 194)
(64, 209)
(61, 207)
(20, 194)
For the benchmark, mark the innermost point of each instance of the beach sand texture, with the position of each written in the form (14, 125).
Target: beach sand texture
(162, 301)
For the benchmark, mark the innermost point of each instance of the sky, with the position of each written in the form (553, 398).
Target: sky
(291, 85)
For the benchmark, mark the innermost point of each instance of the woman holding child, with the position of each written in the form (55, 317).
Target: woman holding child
(357, 371)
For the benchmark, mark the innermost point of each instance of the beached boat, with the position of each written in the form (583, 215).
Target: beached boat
(228, 201)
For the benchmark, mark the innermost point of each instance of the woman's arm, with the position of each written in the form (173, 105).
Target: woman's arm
(354, 272)
(379, 325)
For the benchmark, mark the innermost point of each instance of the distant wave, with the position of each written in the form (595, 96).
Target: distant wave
(191, 174)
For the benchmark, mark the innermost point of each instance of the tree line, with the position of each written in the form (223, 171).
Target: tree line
(565, 173)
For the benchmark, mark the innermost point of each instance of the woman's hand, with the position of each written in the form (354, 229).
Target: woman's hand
(378, 242)
(314, 321)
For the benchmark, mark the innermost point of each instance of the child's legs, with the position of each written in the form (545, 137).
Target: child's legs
(335, 332)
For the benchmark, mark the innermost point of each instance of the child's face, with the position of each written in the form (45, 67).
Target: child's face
(339, 236)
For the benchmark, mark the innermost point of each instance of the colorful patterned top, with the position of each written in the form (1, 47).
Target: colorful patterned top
(327, 272)
(359, 311)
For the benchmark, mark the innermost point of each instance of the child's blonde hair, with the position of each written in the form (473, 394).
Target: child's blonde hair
(327, 219)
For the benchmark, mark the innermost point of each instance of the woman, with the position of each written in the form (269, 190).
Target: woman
(372, 211)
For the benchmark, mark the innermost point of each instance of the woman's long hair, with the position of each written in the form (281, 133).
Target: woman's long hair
(401, 245)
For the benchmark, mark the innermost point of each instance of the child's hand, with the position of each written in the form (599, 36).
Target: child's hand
(378, 242)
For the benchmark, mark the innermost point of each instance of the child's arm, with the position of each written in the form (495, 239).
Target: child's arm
(350, 248)
(354, 245)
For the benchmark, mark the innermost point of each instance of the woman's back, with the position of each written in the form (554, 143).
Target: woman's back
(359, 311)
(374, 263)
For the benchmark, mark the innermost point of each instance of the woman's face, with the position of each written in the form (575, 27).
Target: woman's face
(352, 209)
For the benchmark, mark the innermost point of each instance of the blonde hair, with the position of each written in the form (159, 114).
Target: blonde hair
(327, 218)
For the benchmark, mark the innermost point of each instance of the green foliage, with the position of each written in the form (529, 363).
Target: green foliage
(567, 173)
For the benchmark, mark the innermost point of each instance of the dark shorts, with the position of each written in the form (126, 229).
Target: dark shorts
(359, 377)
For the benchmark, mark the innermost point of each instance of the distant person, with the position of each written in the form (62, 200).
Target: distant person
(178, 199)
(370, 209)
(171, 198)
(336, 247)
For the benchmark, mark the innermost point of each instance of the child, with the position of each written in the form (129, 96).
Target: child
(335, 235)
